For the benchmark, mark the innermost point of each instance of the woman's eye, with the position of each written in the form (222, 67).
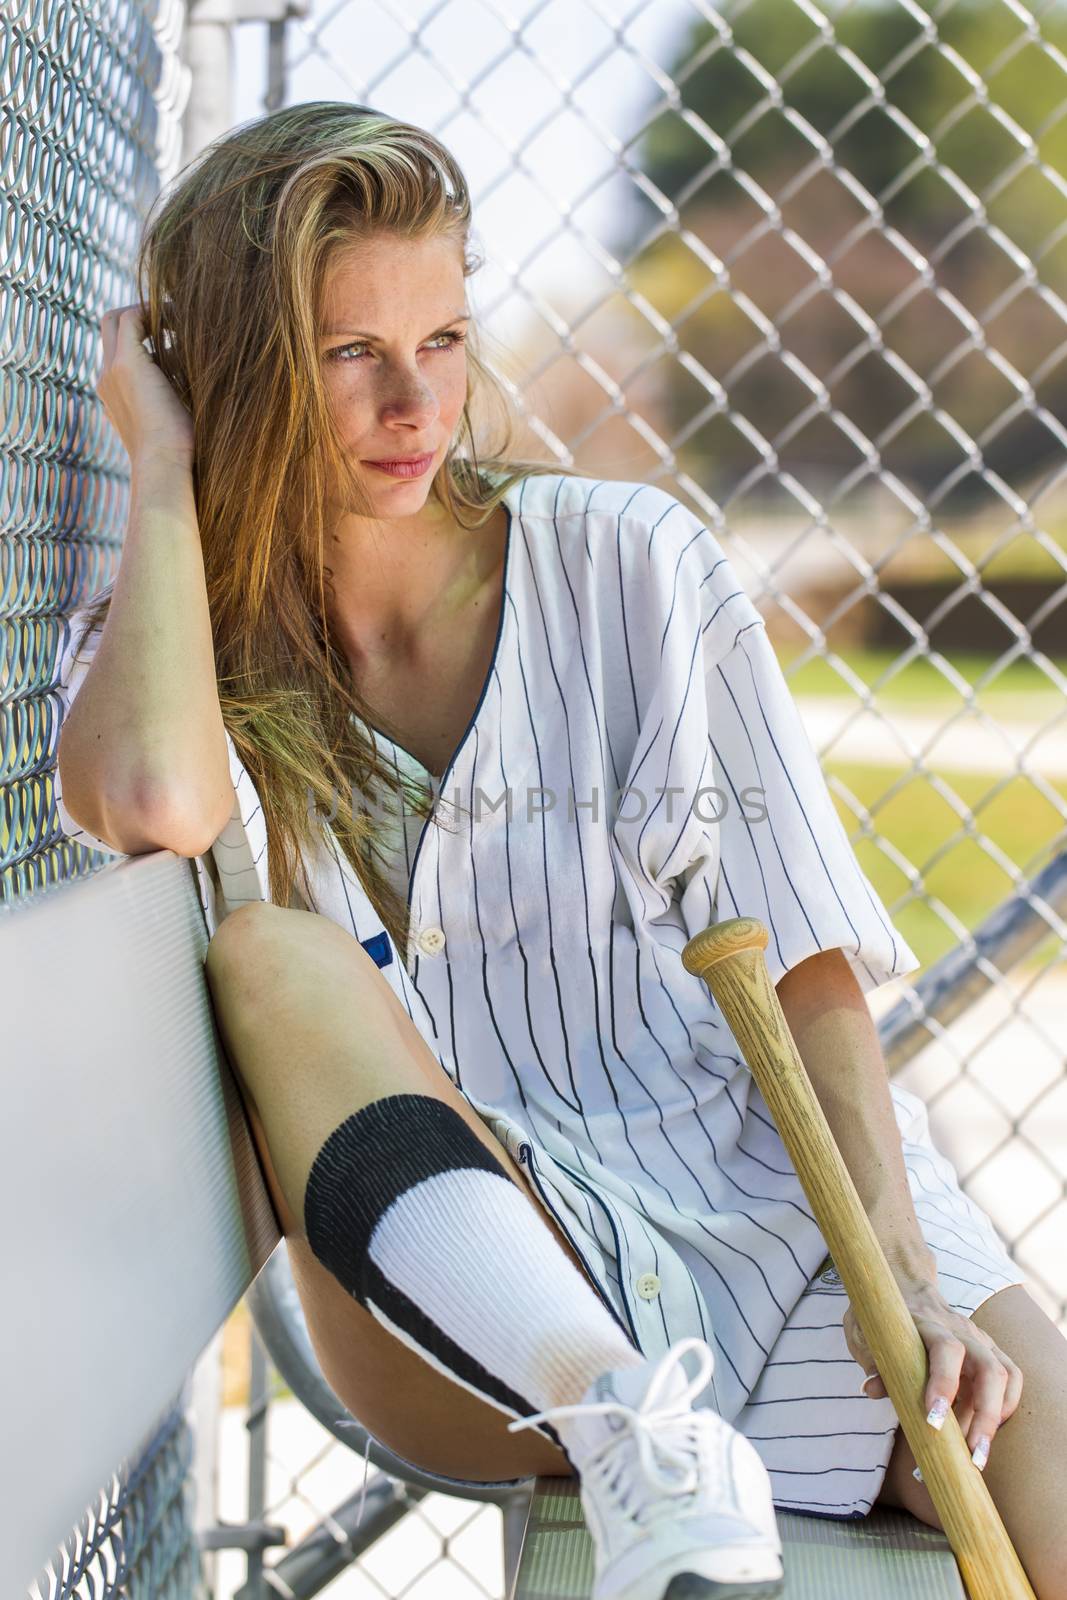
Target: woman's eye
(341, 354)
(451, 339)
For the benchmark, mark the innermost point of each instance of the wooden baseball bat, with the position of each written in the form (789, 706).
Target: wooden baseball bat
(729, 957)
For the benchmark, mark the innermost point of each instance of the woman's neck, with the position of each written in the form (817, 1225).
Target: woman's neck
(396, 584)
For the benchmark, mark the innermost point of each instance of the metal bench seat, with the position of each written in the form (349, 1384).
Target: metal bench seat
(886, 1556)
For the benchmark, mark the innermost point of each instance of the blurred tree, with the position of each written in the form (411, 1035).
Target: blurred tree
(822, 85)
(894, 101)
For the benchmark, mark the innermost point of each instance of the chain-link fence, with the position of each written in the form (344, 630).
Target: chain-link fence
(90, 106)
(90, 121)
(804, 266)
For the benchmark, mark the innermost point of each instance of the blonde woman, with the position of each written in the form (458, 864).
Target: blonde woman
(465, 748)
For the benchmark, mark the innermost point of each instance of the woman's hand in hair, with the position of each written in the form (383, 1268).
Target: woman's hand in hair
(145, 408)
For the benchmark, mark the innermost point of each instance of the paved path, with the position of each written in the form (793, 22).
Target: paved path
(842, 731)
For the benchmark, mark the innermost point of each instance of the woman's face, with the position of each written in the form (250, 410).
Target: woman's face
(394, 318)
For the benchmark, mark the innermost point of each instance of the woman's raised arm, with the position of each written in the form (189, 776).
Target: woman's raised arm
(142, 752)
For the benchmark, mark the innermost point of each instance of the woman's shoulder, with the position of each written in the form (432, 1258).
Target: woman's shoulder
(641, 541)
(564, 496)
(647, 529)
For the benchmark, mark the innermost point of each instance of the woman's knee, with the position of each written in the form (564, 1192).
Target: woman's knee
(244, 923)
(269, 962)
(260, 941)
(1028, 1460)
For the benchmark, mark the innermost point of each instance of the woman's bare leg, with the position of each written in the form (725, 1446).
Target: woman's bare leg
(315, 1033)
(1028, 1462)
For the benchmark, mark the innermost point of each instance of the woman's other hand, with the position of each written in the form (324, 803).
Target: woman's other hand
(966, 1371)
(143, 405)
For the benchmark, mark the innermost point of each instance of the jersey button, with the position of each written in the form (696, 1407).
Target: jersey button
(648, 1286)
(431, 941)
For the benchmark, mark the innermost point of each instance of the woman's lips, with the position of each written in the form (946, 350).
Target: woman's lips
(404, 469)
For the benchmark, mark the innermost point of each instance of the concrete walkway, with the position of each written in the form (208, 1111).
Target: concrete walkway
(842, 731)
(995, 1086)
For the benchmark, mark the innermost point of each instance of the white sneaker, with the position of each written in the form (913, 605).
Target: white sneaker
(678, 1503)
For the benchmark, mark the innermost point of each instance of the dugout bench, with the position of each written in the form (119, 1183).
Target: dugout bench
(139, 1217)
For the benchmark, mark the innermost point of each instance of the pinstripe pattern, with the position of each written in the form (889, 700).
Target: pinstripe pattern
(629, 658)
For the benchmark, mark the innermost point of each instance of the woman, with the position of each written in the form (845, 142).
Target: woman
(465, 753)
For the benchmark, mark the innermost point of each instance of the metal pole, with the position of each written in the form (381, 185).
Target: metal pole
(276, 74)
(258, 1402)
(207, 48)
(1010, 932)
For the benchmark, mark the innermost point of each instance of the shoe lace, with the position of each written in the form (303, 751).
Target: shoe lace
(346, 1422)
(668, 1437)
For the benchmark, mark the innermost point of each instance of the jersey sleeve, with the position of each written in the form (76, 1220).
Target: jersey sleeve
(755, 831)
(780, 851)
(240, 851)
(74, 663)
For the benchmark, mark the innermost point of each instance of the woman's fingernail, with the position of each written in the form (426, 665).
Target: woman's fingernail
(980, 1454)
(938, 1412)
(917, 1475)
(863, 1386)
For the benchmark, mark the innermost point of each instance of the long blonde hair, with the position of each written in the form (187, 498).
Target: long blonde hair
(231, 272)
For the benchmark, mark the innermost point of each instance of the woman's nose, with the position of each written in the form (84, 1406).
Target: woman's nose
(408, 396)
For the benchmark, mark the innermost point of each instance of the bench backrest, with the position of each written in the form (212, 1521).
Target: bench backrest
(135, 1210)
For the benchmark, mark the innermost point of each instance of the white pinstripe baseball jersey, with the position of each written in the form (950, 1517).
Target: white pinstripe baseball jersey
(636, 769)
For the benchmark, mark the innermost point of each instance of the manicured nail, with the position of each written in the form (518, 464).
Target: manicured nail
(938, 1412)
(917, 1475)
(980, 1454)
(863, 1386)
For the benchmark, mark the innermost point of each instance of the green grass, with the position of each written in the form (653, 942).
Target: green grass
(1021, 689)
(1018, 555)
(1028, 828)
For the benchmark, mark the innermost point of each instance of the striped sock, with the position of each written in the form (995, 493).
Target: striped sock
(470, 1252)
(419, 1221)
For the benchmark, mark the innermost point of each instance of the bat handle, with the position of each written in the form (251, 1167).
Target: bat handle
(729, 957)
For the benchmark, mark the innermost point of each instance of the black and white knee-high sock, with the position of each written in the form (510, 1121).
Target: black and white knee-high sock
(423, 1226)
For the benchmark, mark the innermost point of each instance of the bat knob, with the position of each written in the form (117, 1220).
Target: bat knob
(723, 939)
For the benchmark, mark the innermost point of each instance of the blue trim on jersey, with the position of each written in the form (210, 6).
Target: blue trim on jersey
(379, 949)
